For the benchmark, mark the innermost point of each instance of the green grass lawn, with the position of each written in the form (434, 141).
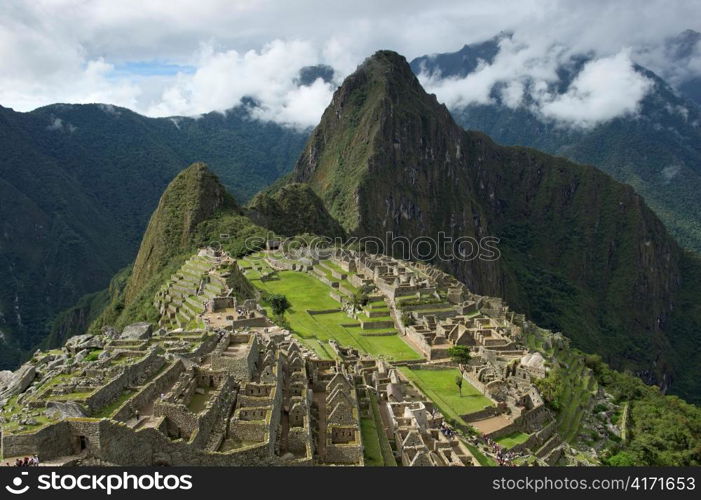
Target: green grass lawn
(305, 292)
(378, 451)
(41, 421)
(511, 440)
(371, 443)
(335, 267)
(578, 388)
(342, 283)
(439, 386)
(198, 402)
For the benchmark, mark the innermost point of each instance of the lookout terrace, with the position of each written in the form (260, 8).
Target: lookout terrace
(361, 369)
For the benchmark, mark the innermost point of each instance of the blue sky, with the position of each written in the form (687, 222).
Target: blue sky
(151, 68)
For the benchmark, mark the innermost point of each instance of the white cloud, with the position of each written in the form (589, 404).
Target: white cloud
(670, 172)
(270, 76)
(517, 63)
(55, 124)
(67, 50)
(605, 88)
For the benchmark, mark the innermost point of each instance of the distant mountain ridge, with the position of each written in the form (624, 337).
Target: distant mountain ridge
(77, 185)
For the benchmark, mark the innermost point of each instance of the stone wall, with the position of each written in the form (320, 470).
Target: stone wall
(344, 453)
(418, 340)
(322, 311)
(322, 277)
(376, 325)
(207, 345)
(299, 438)
(240, 367)
(115, 443)
(535, 418)
(216, 414)
(485, 413)
(357, 281)
(50, 442)
(178, 415)
(470, 377)
(151, 391)
(132, 375)
(258, 322)
(505, 431)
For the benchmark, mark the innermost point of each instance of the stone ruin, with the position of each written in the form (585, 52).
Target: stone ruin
(216, 383)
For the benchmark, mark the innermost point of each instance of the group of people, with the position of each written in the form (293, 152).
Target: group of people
(505, 458)
(32, 461)
(447, 431)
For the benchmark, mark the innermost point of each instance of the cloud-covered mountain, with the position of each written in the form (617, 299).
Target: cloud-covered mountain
(678, 60)
(607, 111)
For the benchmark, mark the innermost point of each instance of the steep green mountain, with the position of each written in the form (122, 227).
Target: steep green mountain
(194, 196)
(293, 209)
(657, 151)
(580, 252)
(77, 185)
(194, 211)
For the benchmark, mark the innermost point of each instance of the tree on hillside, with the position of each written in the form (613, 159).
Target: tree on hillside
(460, 354)
(277, 302)
(359, 300)
(458, 382)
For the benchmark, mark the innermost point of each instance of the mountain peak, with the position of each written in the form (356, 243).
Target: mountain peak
(390, 69)
(387, 60)
(195, 195)
(380, 104)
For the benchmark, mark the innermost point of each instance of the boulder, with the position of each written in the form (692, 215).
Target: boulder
(57, 363)
(5, 377)
(110, 332)
(68, 409)
(80, 342)
(137, 331)
(19, 381)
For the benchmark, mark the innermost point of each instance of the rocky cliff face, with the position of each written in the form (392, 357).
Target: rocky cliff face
(194, 196)
(579, 251)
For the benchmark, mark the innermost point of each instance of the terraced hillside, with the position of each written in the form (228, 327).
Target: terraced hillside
(578, 394)
(182, 299)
